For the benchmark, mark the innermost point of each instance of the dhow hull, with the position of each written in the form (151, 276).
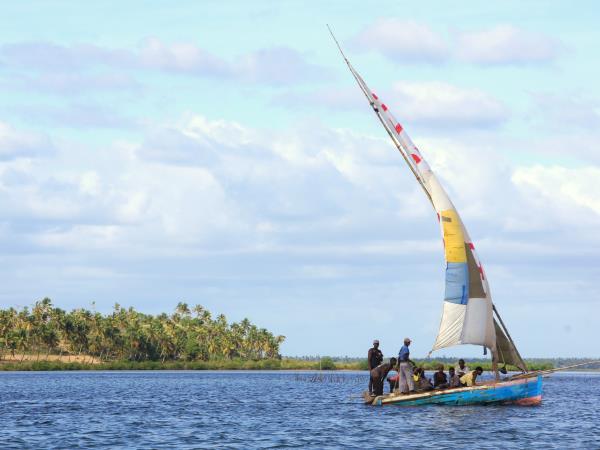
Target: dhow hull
(523, 391)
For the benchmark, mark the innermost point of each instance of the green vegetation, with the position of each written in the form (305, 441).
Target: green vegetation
(127, 335)
(326, 363)
(49, 338)
(427, 364)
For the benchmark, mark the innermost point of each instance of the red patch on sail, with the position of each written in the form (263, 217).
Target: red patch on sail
(384, 107)
(481, 272)
(416, 158)
(398, 128)
(471, 246)
(374, 96)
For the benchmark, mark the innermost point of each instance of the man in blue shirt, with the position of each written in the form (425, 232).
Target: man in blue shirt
(407, 384)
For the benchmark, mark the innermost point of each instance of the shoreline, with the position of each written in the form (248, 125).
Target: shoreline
(220, 365)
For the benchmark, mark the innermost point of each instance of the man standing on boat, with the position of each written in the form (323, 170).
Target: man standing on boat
(374, 358)
(407, 384)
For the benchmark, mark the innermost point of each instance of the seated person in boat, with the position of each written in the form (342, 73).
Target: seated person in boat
(422, 383)
(453, 379)
(379, 373)
(440, 380)
(461, 368)
(469, 378)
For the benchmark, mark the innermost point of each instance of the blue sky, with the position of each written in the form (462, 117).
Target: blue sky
(220, 154)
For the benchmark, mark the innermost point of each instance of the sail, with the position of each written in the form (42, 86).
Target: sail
(467, 314)
(507, 352)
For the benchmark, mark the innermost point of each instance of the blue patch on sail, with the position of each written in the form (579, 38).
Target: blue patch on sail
(457, 283)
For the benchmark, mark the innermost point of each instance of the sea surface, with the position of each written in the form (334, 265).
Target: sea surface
(205, 409)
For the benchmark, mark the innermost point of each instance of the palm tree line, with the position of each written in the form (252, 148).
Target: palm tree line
(126, 334)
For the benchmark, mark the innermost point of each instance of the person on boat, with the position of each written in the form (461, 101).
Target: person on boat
(440, 380)
(422, 383)
(407, 384)
(379, 373)
(469, 378)
(393, 381)
(374, 358)
(453, 379)
(461, 368)
(416, 373)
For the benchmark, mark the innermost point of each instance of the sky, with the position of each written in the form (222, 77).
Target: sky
(220, 153)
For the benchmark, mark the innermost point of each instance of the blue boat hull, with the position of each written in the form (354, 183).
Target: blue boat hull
(524, 391)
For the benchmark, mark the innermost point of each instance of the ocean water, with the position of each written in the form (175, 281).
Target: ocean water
(186, 409)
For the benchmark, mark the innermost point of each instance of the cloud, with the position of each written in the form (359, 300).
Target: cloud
(183, 57)
(564, 112)
(76, 68)
(412, 42)
(433, 104)
(74, 83)
(48, 56)
(572, 194)
(77, 115)
(279, 65)
(402, 41)
(506, 44)
(442, 104)
(174, 147)
(16, 144)
(223, 213)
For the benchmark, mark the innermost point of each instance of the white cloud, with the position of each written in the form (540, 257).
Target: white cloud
(278, 65)
(566, 111)
(76, 115)
(402, 41)
(181, 57)
(434, 104)
(572, 194)
(405, 41)
(506, 44)
(320, 210)
(442, 104)
(16, 144)
(81, 68)
(207, 184)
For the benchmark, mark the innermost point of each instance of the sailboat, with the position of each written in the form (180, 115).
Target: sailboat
(469, 315)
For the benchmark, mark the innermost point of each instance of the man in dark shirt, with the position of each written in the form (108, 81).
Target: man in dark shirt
(379, 373)
(440, 380)
(374, 358)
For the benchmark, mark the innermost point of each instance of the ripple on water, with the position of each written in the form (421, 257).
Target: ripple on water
(274, 410)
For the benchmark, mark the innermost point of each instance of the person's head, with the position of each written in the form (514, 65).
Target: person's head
(375, 343)
(393, 362)
(407, 341)
(461, 363)
(441, 368)
(478, 370)
(451, 371)
(416, 371)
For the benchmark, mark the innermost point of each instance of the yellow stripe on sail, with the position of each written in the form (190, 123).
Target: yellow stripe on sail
(454, 239)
